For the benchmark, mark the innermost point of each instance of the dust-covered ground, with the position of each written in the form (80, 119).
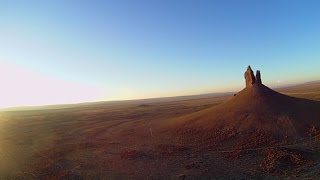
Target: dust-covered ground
(129, 140)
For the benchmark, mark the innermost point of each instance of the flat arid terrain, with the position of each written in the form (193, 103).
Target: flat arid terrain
(256, 133)
(159, 89)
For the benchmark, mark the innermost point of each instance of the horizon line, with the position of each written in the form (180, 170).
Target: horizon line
(71, 105)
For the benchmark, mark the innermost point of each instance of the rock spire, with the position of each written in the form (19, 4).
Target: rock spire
(251, 79)
(258, 77)
(249, 76)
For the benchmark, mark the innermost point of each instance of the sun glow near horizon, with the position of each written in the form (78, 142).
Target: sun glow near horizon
(22, 87)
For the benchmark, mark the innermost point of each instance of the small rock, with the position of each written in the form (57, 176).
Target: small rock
(182, 176)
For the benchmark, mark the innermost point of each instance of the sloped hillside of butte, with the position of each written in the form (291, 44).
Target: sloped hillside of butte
(255, 111)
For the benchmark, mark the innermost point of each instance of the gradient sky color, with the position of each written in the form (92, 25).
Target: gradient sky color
(67, 51)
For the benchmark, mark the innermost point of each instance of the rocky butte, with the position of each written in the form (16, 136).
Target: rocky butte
(256, 111)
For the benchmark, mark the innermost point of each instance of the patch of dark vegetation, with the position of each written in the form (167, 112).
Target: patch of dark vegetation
(131, 154)
(313, 131)
(211, 139)
(255, 139)
(57, 170)
(144, 105)
(62, 175)
(170, 149)
(280, 160)
(193, 165)
(233, 155)
(317, 139)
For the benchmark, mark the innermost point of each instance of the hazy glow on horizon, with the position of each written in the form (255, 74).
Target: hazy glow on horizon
(20, 87)
(78, 51)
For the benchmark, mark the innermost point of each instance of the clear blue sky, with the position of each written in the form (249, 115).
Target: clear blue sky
(128, 49)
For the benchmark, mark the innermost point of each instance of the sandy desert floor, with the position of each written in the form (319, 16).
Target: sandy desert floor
(126, 140)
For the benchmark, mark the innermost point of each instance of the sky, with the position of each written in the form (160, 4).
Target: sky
(71, 51)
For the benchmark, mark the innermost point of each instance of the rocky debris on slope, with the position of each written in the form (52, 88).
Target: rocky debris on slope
(280, 160)
(251, 79)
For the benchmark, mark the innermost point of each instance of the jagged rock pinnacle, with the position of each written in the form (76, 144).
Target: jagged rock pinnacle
(249, 76)
(258, 77)
(251, 79)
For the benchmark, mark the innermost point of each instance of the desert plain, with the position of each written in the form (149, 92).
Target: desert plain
(146, 139)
